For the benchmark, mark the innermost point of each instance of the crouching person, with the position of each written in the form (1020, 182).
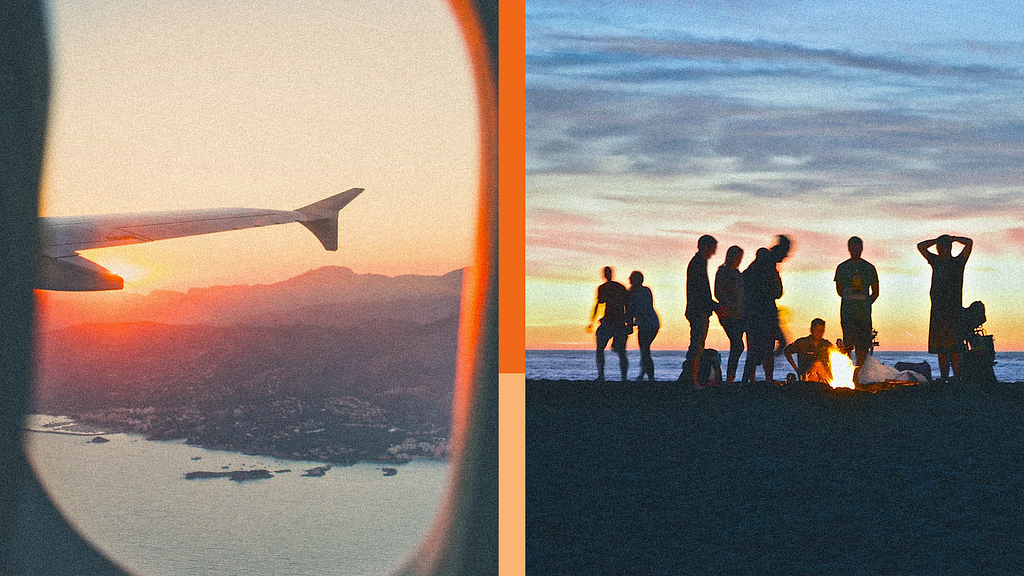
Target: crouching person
(812, 361)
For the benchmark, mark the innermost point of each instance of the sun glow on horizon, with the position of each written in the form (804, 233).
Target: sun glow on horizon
(812, 146)
(177, 113)
(126, 269)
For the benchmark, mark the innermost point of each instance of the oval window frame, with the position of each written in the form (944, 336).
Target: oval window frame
(34, 537)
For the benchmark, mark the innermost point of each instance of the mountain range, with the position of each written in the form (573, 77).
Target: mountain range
(327, 333)
(328, 296)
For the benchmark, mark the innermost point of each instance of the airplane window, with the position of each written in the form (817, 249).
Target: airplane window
(257, 221)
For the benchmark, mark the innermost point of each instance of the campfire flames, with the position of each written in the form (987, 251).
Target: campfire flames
(842, 369)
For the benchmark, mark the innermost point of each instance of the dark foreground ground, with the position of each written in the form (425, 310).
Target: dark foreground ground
(649, 479)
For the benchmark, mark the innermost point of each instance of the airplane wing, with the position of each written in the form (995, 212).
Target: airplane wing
(61, 268)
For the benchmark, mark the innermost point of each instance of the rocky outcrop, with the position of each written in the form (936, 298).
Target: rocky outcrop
(318, 471)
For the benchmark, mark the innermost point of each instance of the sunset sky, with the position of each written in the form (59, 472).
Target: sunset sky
(176, 105)
(650, 123)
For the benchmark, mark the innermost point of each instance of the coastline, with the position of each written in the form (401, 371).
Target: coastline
(60, 424)
(70, 433)
(580, 365)
(412, 446)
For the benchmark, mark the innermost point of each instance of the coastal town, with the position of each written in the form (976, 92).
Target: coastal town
(337, 430)
(329, 366)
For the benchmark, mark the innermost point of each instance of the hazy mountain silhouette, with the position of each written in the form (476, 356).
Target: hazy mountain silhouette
(326, 333)
(328, 296)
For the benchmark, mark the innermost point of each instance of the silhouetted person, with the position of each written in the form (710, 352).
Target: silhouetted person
(947, 298)
(762, 286)
(729, 292)
(812, 360)
(699, 302)
(857, 285)
(640, 310)
(780, 251)
(614, 323)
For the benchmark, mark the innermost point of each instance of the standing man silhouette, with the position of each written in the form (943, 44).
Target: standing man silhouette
(857, 285)
(614, 324)
(699, 302)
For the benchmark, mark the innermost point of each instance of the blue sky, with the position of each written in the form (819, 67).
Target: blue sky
(650, 123)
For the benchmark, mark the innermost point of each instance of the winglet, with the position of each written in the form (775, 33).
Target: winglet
(322, 217)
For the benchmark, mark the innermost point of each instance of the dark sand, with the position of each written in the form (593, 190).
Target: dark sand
(649, 479)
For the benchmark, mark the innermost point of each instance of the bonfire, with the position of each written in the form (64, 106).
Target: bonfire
(842, 369)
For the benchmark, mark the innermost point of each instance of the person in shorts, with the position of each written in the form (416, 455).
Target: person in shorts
(615, 325)
(857, 284)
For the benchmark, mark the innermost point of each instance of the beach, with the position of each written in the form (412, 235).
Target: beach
(627, 478)
(579, 364)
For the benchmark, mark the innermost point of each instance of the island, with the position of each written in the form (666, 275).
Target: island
(318, 471)
(236, 475)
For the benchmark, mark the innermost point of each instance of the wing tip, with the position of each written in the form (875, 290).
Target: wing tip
(322, 217)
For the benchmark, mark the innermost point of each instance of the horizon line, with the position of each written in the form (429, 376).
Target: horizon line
(683, 350)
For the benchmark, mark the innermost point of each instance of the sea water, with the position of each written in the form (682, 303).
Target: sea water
(130, 498)
(580, 364)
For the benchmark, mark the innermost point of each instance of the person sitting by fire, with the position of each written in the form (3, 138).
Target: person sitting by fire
(812, 360)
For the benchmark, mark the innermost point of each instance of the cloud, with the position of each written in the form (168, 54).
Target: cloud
(811, 250)
(718, 133)
(1006, 204)
(875, 152)
(731, 50)
(1013, 240)
(1016, 236)
(550, 218)
(624, 245)
(660, 108)
(777, 188)
(573, 131)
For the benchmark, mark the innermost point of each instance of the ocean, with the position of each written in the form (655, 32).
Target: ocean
(130, 498)
(579, 364)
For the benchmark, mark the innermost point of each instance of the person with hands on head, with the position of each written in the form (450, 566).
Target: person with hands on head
(946, 294)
